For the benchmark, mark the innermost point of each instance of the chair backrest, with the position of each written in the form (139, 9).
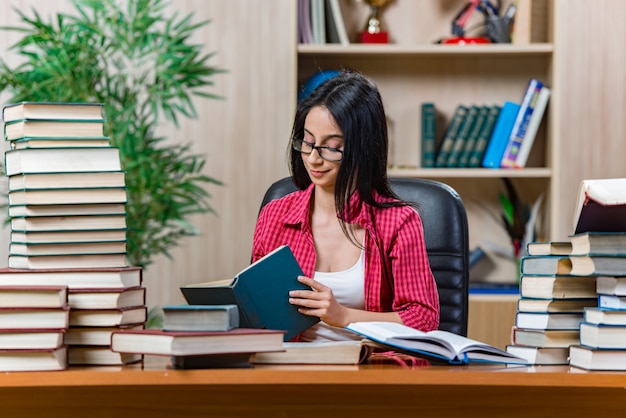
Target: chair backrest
(446, 235)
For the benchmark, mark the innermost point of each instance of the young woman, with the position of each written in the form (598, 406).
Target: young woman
(361, 248)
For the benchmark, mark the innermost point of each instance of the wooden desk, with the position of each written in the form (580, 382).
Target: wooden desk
(381, 391)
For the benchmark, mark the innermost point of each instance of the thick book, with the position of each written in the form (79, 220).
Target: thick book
(600, 206)
(545, 337)
(472, 138)
(98, 336)
(533, 128)
(594, 243)
(57, 237)
(67, 196)
(603, 335)
(34, 318)
(557, 287)
(75, 278)
(32, 339)
(52, 110)
(428, 134)
(108, 317)
(88, 180)
(33, 296)
(598, 265)
(69, 223)
(520, 126)
(597, 315)
(478, 152)
(597, 359)
(438, 345)
(184, 343)
(99, 356)
(549, 248)
(326, 352)
(525, 304)
(43, 142)
(612, 302)
(106, 298)
(68, 210)
(67, 261)
(450, 136)
(608, 285)
(540, 355)
(500, 135)
(108, 247)
(33, 360)
(261, 291)
(461, 138)
(545, 320)
(61, 160)
(53, 128)
(200, 317)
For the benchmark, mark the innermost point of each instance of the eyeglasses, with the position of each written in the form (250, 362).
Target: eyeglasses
(327, 153)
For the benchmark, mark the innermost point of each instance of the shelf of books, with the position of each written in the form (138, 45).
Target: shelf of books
(465, 114)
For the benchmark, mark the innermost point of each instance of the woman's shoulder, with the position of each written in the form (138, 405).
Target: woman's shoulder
(285, 204)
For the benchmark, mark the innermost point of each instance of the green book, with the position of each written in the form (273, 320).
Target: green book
(473, 136)
(428, 135)
(261, 291)
(462, 136)
(483, 138)
(450, 136)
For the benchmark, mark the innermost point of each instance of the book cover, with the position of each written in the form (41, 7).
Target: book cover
(461, 137)
(52, 110)
(441, 345)
(61, 160)
(549, 321)
(478, 152)
(74, 278)
(428, 135)
(520, 126)
(261, 292)
(450, 136)
(472, 138)
(34, 128)
(106, 298)
(533, 126)
(557, 287)
(200, 317)
(186, 343)
(213, 361)
(603, 335)
(500, 135)
(545, 338)
(600, 206)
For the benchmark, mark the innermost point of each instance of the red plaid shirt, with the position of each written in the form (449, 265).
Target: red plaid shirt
(409, 290)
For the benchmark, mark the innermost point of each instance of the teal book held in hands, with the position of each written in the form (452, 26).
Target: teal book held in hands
(261, 291)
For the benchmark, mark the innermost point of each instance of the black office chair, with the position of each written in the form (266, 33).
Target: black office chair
(447, 244)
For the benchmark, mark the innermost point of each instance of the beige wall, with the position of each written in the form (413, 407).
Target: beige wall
(244, 136)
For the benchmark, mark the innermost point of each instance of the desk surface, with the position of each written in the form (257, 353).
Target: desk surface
(321, 391)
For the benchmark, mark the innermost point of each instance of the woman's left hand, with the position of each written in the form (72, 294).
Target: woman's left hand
(319, 302)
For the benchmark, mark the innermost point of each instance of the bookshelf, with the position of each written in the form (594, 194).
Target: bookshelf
(412, 69)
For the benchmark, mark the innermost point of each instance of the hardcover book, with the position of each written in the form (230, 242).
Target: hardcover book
(549, 248)
(450, 136)
(57, 237)
(70, 210)
(67, 196)
(33, 296)
(33, 360)
(478, 152)
(595, 243)
(549, 321)
(557, 287)
(601, 206)
(555, 305)
(261, 291)
(61, 160)
(46, 262)
(69, 223)
(597, 359)
(74, 278)
(107, 317)
(99, 356)
(200, 317)
(603, 336)
(500, 135)
(52, 110)
(545, 338)
(67, 180)
(326, 352)
(611, 285)
(472, 138)
(540, 355)
(34, 318)
(31, 339)
(43, 142)
(428, 132)
(106, 298)
(461, 138)
(439, 345)
(533, 126)
(600, 316)
(34, 128)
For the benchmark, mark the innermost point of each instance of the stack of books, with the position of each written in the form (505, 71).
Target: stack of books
(33, 320)
(67, 196)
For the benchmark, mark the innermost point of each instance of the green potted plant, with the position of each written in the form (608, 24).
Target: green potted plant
(138, 61)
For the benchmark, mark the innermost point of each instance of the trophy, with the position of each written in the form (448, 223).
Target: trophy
(373, 32)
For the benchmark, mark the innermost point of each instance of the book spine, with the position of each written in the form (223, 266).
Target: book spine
(428, 135)
(533, 127)
(500, 136)
(339, 23)
(461, 138)
(473, 136)
(478, 152)
(521, 123)
(450, 136)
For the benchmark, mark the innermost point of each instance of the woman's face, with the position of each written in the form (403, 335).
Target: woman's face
(321, 130)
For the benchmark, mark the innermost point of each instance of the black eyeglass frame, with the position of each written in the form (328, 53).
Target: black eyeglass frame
(297, 145)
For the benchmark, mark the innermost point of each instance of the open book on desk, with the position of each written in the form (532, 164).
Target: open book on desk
(261, 291)
(437, 345)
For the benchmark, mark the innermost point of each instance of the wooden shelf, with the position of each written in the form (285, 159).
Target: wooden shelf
(537, 173)
(426, 50)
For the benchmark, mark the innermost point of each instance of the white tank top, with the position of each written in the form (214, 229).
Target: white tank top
(348, 288)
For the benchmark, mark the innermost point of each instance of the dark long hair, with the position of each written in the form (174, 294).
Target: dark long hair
(356, 105)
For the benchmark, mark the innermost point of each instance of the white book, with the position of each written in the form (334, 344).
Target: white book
(533, 127)
(62, 160)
